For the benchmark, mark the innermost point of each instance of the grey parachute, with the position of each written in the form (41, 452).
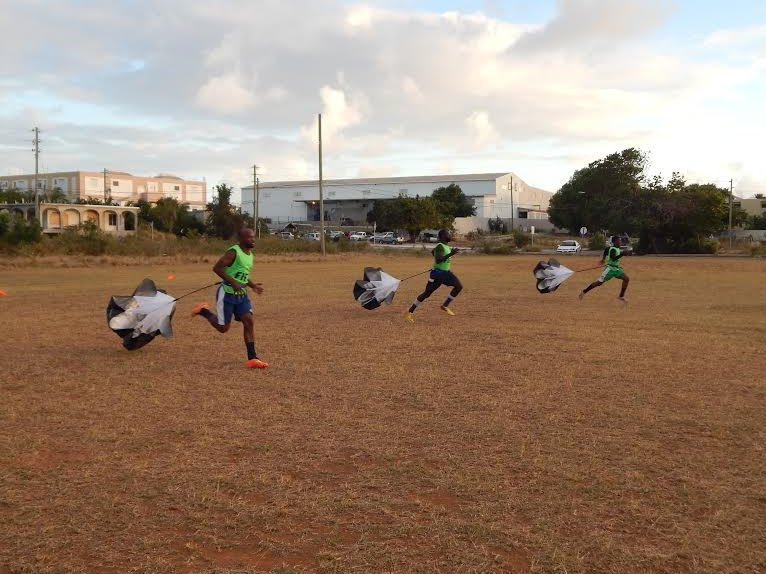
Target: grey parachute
(550, 275)
(377, 288)
(137, 319)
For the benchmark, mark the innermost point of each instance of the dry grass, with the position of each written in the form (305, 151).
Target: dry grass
(528, 434)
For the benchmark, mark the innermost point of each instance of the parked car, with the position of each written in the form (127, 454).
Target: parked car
(359, 236)
(387, 238)
(624, 243)
(313, 236)
(569, 246)
(286, 235)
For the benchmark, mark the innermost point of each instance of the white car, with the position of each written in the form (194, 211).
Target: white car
(569, 246)
(313, 236)
(359, 236)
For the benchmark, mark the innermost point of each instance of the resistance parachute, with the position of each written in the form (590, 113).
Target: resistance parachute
(376, 288)
(140, 317)
(550, 275)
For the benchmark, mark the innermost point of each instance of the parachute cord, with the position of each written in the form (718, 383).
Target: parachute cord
(416, 274)
(195, 291)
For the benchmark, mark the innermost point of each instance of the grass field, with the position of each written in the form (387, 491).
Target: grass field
(527, 434)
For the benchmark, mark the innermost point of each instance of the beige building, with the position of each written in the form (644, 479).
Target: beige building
(120, 186)
(56, 217)
(752, 206)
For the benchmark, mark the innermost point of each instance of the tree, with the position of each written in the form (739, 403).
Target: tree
(56, 195)
(144, 210)
(668, 216)
(412, 214)
(224, 220)
(187, 223)
(601, 195)
(451, 202)
(165, 213)
(757, 222)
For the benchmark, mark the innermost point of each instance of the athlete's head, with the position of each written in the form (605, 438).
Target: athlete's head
(444, 236)
(246, 238)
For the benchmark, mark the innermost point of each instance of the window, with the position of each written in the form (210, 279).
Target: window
(763, 205)
(113, 219)
(176, 188)
(115, 183)
(297, 194)
(3, 184)
(737, 204)
(330, 194)
(523, 214)
(266, 195)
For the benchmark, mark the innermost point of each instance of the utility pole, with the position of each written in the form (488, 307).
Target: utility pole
(256, 194)
(731, 196)
(105, 189)
(321, 194)
(513, 213)
(36, 141)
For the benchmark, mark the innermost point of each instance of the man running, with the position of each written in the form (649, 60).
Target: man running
(611, 256)
(231, 298)
(440, 275)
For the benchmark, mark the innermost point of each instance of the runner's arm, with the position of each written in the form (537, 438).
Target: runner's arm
(441, 257)
(226, 260)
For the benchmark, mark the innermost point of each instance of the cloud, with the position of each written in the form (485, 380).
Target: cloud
(736, 36)
(226, 94)
(588, 24)
(481, 129)
(401, 90)
(338, 114)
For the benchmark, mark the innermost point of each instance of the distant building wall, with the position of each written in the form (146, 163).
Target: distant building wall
(121, 187)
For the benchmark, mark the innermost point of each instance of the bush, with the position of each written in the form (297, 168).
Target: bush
(16, 231)
(597, 242)
(521, 238)
(699, 245)
(496, 248)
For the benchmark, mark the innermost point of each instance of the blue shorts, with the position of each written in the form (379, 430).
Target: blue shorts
(437, 278)
(228, 306)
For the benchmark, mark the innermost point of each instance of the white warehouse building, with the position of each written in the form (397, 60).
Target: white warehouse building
(347, 201)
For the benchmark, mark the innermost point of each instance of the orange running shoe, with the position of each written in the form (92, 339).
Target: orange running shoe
(256, 364)
(198, 309)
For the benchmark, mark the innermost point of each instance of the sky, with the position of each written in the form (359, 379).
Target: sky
(207, 89)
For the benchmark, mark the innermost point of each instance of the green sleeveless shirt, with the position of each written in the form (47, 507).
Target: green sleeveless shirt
(446, 250)
(239, 270)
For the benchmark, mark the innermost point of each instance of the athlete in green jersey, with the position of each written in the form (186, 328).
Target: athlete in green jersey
(611, 257)
(231, 299)
(441, 274)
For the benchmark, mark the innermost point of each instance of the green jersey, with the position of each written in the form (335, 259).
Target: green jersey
(444, 249)
(612, 256)
(239, 270)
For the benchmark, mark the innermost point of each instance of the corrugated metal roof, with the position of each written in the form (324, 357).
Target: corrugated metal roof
(380, 180)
